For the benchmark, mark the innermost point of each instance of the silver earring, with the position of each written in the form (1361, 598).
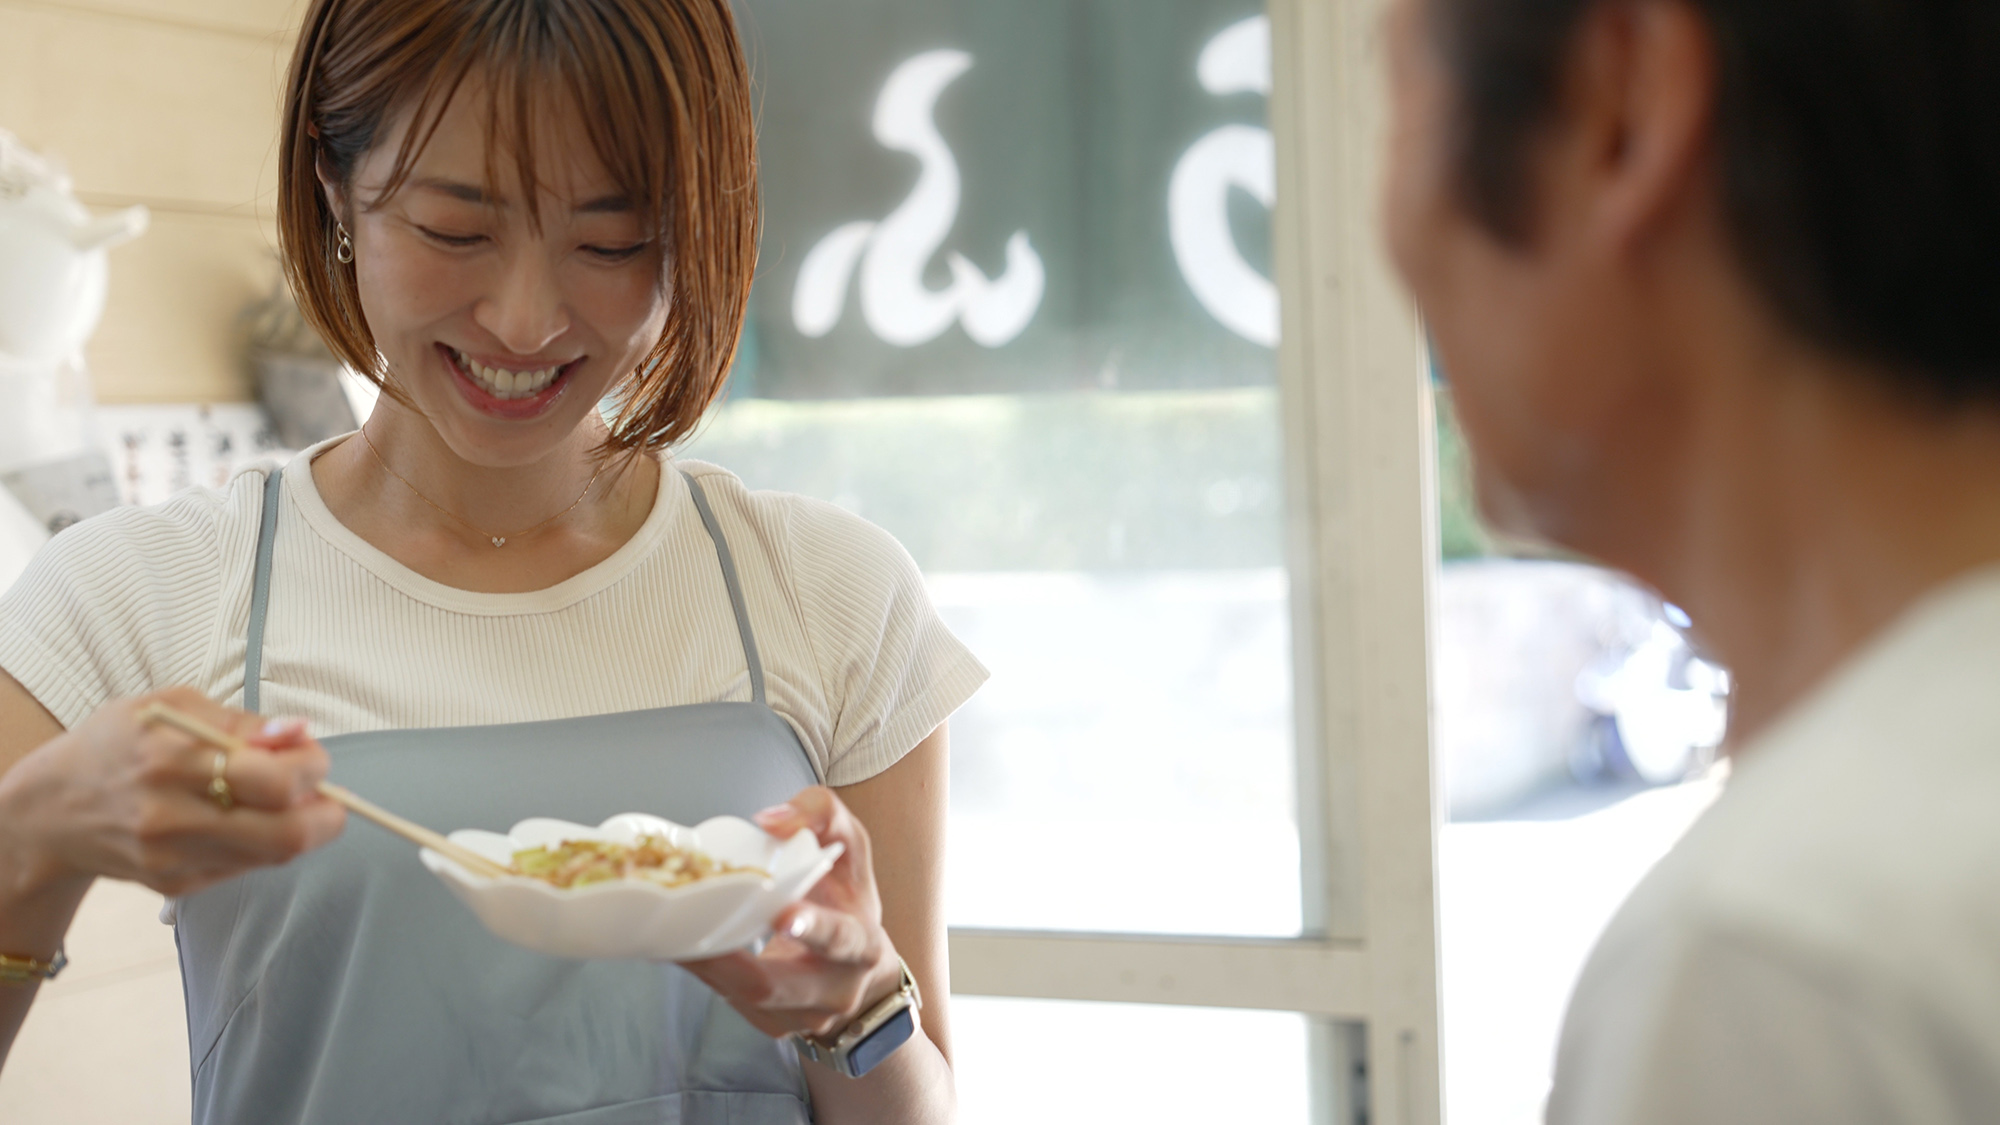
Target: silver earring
(343, 249)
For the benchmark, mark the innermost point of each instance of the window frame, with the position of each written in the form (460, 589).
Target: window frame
(1362, 541)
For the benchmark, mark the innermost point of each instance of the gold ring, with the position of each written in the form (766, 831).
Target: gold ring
(218, 785)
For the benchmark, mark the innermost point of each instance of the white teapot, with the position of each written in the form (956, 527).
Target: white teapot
(52, 283)
(52, 262)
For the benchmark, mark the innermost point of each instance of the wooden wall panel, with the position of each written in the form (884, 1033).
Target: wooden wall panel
(173, 104)
(143, 110)
(173, 328)
(242, 17)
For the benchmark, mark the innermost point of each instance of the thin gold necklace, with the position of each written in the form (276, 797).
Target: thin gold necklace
(496, 540)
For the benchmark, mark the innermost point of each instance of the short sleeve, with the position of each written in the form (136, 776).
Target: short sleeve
(1733, 1029)
(891, 669)
(118, 605)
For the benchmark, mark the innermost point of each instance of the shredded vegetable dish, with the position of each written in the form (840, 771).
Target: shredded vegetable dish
(579, 863)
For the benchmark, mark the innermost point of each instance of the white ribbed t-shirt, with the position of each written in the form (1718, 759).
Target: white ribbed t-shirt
(855, 656)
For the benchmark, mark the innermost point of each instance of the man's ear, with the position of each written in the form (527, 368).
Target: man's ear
(1653, 66)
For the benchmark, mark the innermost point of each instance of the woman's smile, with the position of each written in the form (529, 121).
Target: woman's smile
(512, 392)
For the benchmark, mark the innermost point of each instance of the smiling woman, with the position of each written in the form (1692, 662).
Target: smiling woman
(497, 605)
(653, 125)
(498, 306)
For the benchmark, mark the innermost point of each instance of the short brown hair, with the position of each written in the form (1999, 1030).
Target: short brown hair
(664, 94)
(1859, 152)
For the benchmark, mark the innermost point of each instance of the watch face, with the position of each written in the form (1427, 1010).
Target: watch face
(881, 1043)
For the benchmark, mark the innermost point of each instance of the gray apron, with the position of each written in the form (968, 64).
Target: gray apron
(349, 986)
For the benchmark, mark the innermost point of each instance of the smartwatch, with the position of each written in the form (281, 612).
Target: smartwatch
(873, 1036)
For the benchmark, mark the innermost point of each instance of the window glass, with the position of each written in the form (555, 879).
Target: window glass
(1576, 731)
(1015, 308)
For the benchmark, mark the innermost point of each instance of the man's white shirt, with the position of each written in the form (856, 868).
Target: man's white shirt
(1824, 945)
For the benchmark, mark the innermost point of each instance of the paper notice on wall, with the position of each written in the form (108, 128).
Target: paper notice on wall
(160, 449)
(60, 493)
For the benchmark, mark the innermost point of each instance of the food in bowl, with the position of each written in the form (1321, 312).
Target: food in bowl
(655, 859)
(637, 918)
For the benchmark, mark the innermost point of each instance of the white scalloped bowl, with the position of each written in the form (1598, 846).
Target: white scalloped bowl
(632, 917)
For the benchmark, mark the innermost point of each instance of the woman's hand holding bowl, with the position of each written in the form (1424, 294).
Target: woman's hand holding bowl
(829, 958)
(117, 798)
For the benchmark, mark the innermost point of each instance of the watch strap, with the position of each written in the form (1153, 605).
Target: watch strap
(873, 1036)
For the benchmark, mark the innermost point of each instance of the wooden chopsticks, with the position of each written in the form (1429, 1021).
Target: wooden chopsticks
(415, 833)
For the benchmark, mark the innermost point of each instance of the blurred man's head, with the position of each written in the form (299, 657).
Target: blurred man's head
(1590, 196)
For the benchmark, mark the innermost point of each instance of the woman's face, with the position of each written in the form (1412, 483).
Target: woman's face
(505, 332)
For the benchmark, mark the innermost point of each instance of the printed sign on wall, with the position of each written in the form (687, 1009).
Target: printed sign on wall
(968, 197)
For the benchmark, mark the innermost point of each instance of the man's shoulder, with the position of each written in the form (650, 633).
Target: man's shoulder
(1866, 815)
(1858, 844)
(1839, 903)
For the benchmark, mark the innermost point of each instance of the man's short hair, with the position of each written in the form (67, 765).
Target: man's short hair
(1858, 144)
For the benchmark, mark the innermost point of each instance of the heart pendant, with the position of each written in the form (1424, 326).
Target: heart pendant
(499, 541)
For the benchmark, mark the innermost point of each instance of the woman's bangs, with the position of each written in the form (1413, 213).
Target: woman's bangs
(542, 70)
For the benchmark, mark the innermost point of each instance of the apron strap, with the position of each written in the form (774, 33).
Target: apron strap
(260, 592)
(735, 586)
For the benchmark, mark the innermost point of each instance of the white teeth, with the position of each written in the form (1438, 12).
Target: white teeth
(504, 384)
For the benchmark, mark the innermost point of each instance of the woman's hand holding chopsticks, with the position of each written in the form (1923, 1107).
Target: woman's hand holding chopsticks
(122, 798)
